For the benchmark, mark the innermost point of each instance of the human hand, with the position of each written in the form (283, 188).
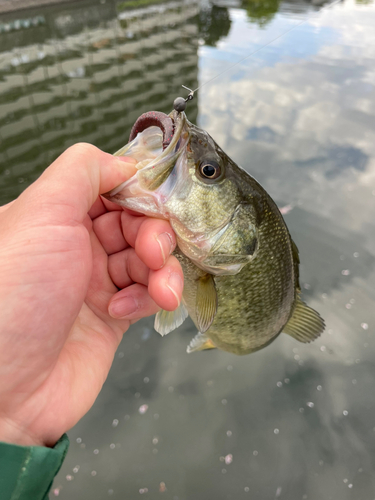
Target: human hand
(64, 253)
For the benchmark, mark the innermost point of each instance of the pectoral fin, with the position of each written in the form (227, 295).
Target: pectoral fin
(167, 321)
(206, 302)
(305, 325)
(199, 343)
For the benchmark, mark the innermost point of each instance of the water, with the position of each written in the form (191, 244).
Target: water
(292, 421)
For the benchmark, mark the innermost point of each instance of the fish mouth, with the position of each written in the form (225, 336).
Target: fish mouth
(159, 153)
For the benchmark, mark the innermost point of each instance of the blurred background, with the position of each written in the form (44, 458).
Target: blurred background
(293, 421)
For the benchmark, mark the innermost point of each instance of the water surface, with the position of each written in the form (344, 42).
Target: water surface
(292, 421)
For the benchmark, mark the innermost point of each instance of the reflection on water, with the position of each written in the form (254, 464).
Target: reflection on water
(292, 421)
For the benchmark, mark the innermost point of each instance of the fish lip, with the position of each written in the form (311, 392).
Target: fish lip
(179, 121)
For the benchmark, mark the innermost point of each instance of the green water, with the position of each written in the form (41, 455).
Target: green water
(293, 421)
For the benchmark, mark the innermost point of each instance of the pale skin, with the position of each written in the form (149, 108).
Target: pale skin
(65, 253)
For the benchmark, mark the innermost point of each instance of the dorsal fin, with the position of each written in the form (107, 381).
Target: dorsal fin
(295, 254)
(305, 325)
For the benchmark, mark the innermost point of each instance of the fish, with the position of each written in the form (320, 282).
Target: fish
(240, 264)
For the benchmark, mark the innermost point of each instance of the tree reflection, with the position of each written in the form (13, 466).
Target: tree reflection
(261, 12)
(213, 24)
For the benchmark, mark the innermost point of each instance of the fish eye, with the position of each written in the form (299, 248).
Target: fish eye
(210, 170)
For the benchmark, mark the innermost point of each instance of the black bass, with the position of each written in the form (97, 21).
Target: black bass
(240, 264)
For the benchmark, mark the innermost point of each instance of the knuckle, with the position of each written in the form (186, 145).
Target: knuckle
(82, 149)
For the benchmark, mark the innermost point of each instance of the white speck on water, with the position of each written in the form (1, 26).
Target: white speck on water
(345, 480)
(79, 440)
(255, 453)
(137, 395)
(364, 326)
(278, 492)
(296, 357)
(330, 331)
(146, 380)
(310, 404)
(355, 254)
(96, 452)
(120, 354)
(276, 431)
(223, 471)
(321, 463)
(115, 423)
(229, 368)
(360, 470)
(287, 380)
(143, 490)
(279, 384)
(224, 402)
(352, 301)
(304, 497)
(306, 286)
(345, 413)
(170, 389)
(76, 469)
(112, 446)
(319, 388)
(142, 409)
(155, 440)
(93, 473)
(350, 485)
(348, 306)
(146, 334)
(323, 348)
(126, 417)
(228, 459)
(301, 410)
(247, 489)
(229, 433)
(110, 492)
(324, 295)
(69, 477)
(56, 492)
(354, 381)
(345, 272)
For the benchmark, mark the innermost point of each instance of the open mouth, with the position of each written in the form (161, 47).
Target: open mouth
(156, 142)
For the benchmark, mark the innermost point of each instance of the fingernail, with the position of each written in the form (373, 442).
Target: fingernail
(121, 308)
(176, 286)
(166, 245)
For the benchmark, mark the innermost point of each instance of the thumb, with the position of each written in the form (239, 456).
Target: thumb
(69, 187)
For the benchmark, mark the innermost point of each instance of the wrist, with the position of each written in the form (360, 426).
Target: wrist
(12, 433)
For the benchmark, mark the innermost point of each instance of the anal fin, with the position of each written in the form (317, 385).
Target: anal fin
(167, 321)
(306, 324)
(199, 343)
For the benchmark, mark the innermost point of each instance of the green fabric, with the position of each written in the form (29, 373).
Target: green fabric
(27, 472)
